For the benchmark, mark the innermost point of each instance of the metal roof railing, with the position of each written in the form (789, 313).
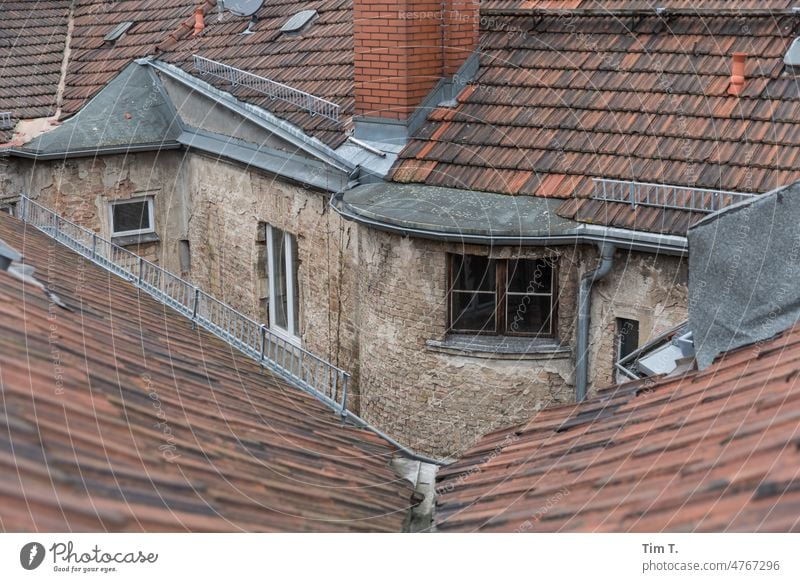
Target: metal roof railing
(299, 366)
(273, 89)
(665, 196)
(5, 120)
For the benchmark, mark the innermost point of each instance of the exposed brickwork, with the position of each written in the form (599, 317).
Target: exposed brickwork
(403, 47)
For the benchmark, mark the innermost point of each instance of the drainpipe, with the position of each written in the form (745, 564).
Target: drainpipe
(584, 310)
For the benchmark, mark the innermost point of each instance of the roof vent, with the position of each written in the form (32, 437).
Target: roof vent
(6, 122)
(792, 56)
(299, 21)
(118, 31)
(737, 74)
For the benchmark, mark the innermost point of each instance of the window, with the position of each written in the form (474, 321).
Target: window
(283, 292)
(627, 337)
(503, 297)
(133, 216)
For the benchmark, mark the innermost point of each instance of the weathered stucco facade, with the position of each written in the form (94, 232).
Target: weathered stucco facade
(441, 400)
(371, 302)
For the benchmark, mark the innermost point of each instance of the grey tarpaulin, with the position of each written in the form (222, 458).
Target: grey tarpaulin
(744, 273)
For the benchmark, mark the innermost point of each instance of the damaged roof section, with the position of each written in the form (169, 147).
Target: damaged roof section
(562, 98)
(121, 417)
(32, 41)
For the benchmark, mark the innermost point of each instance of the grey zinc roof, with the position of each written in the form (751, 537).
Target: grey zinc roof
(130, 111)
(457, 212)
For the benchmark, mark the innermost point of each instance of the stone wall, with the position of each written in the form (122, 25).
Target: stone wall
(650, 289)
(436, 402)
(229, 206)
(439, 402)
(370, 301)
(80, 190)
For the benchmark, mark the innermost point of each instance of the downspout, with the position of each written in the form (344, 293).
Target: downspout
(584, 310)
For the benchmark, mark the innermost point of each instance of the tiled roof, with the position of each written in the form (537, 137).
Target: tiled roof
(32, 37)
(561, 99)
(94, 62)
(318, 60)
(716, 450)
(119, 416)
(636, 4)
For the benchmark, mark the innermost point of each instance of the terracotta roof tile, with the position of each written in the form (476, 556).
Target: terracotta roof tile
(119, 416)
(648, 103)
(708, 451)
(32, 38)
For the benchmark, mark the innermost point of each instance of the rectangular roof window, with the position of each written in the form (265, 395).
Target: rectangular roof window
(118, 31)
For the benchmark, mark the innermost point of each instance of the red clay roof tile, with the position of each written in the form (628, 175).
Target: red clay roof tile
(119, 416)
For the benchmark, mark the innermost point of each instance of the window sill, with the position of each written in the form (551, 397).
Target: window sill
(500, 347)
(135, 239)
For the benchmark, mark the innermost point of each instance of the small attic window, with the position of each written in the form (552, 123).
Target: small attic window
(792, 57)
(118, 31)
(298, 22)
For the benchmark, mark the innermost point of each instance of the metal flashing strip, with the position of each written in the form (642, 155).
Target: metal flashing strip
(266, 120)
(308, 372)
(301, 170)
(273, 89)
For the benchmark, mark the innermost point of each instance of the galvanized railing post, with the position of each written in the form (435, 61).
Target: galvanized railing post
(194, 309)
(318, 376)
(345, 382)
(263, 343)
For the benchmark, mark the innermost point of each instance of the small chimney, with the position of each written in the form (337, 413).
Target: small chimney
(199, 21)
(402, 49)
(737, 74)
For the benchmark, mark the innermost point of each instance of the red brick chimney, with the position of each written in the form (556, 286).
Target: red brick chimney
(403, 47)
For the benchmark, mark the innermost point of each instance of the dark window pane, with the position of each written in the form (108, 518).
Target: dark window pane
(279, 291)
(471, 273)
(528, 314)
(628, 336)
(473, 311)
(530, 276)
(131, 216)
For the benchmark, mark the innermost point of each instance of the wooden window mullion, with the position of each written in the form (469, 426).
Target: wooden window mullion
(500, 290)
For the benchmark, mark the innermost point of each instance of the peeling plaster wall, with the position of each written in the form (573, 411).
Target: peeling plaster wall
(229, 203)
(440, 403)
(80, 189)
(651, 289)
(369, 300)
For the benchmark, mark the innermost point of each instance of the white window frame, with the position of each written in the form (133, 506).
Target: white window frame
(291, 334)
(150, 212)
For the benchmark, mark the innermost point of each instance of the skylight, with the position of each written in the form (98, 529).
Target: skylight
(118, 31)
(792, 56)
(297, 22)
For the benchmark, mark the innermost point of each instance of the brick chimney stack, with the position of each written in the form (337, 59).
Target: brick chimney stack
(403, 48)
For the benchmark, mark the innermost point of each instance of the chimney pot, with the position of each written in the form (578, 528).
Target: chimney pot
(737, 74)
(199, 21)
